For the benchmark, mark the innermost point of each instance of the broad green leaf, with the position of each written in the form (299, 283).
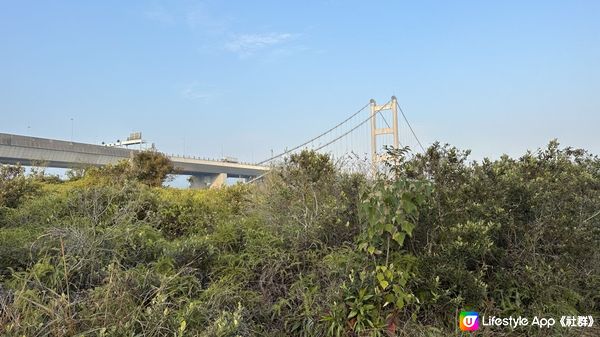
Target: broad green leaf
(389, 228)
(399, 237)
(408, 227)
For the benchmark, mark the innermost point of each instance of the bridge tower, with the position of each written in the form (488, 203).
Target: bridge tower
(377, 131)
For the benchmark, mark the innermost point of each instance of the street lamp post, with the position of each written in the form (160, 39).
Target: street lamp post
(71, 129)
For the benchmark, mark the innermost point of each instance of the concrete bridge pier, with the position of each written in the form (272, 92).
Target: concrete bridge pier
(207, 180)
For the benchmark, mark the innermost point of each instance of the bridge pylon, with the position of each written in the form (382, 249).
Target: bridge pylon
(377, 131)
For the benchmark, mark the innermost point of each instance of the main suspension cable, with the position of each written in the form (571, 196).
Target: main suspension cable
(314, 138)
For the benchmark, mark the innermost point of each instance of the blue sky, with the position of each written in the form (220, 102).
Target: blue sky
(243, 77)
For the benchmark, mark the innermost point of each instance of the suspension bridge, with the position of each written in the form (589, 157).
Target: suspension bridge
(361, 138)
(358, 142)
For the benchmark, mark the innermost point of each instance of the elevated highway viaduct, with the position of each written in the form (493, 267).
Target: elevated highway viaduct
(33, 151)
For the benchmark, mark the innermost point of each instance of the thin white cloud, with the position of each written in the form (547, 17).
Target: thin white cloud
(217, 33)
(248, 44)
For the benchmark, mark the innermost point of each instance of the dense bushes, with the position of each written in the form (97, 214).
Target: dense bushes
(519, 230)
(308, 201)
(14, 186)
(147, 167)
(311, 251)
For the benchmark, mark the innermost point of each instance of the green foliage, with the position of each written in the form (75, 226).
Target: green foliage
(151, 168)
(376, 295)
(112, 174)
(309, 202)
(515, 231)
(14, 185)
(228, 324)
(312, 251)
(390, 211)
(15, 248)
(182, 212)
(147, 167)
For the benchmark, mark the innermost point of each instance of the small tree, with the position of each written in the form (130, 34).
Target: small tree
(377, 294)
(151, 168)
(14, 185)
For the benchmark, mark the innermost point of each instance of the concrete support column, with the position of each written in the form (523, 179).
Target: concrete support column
(202, 181)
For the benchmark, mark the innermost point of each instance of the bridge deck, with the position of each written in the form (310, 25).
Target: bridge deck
(33, 151)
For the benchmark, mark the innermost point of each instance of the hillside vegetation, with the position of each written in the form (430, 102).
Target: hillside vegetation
(310, 251)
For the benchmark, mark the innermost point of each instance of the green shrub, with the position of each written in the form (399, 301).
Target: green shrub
(311, 251)
(16, 249)
(15, 186)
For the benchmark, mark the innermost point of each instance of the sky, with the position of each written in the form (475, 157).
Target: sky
(242, 78)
